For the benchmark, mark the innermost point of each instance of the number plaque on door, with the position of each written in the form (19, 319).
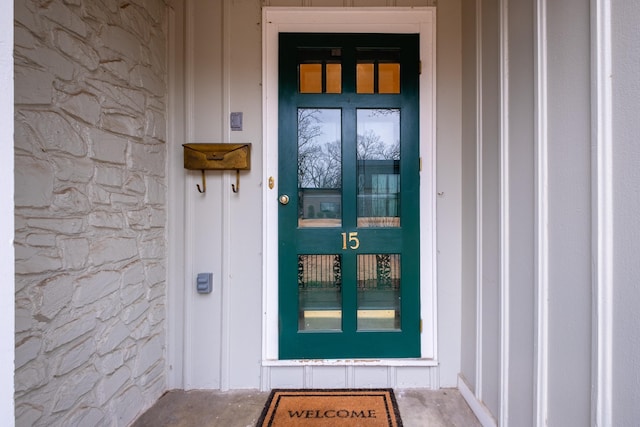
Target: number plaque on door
(351, 242)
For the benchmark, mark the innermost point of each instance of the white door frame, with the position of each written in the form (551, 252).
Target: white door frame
(350, 20)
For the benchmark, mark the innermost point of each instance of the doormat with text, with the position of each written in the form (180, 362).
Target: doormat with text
(334, 408)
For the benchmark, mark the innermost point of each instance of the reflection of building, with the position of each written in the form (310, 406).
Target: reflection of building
(319, 203)
(378, 191)
(378, 188)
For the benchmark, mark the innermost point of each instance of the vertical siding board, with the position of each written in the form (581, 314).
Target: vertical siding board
(626, 205)
(490, 207)
(521, 213)
(245, 245)
(570, 300)
(469, 196)
(204, 212)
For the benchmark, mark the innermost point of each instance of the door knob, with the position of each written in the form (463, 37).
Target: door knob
(284, 199)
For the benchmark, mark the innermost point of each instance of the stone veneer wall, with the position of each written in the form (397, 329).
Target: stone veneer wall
(90, 212)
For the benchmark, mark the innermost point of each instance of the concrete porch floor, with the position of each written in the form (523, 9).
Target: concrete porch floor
(418, 408)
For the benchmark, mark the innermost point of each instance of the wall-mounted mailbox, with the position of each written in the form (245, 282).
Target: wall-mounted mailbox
(217, 156)
(204, 283)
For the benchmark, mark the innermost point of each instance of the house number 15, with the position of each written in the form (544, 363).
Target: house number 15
(351, 239)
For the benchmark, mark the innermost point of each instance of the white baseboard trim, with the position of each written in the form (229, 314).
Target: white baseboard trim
(481, 412)
(349, 376)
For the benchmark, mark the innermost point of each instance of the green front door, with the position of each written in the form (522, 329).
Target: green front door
(349, 196)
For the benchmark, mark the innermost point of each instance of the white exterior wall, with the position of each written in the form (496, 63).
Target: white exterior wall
(222, 229)
(90, 211)
(223, 331)
(449, 189)
(555, 117)
(532, 282)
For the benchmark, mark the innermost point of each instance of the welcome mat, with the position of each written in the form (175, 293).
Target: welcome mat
(334, 408)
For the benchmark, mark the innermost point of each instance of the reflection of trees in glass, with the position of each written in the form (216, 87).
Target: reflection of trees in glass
(319, 162)
(370, 144)
(372, 147)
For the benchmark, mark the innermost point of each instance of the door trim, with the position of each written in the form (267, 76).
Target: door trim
(351, 20)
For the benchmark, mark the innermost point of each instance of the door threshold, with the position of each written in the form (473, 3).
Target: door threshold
(351, 362)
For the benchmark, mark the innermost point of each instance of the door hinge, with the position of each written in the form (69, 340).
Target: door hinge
(420, 164)
(419, 67)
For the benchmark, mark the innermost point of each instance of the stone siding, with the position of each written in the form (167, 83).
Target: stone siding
(90, 210)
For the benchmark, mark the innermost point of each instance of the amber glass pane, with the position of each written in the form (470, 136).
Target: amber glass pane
(389, 78)
(310, 78)
(334, 78)
(319, 292)
(378, 292)
(364, 78)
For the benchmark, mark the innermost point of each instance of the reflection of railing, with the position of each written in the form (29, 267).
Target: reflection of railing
(319, 271)
(378, 271)
(320, 291)
(375, 271)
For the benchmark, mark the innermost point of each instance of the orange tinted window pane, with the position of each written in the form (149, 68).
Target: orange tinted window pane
(389, 78)
(310, 78)
(334, 78)
(364, 78)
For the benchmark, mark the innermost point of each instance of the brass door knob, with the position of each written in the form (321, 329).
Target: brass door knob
(284, 199)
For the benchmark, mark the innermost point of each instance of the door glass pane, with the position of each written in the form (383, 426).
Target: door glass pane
(378, 154)
(388, 78)
(319, 167)
(378, 292)
(310, 78)
(334, 78)
(319, 292)
(364, 77)
(320, 70)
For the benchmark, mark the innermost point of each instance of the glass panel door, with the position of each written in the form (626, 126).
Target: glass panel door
(348, 192)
